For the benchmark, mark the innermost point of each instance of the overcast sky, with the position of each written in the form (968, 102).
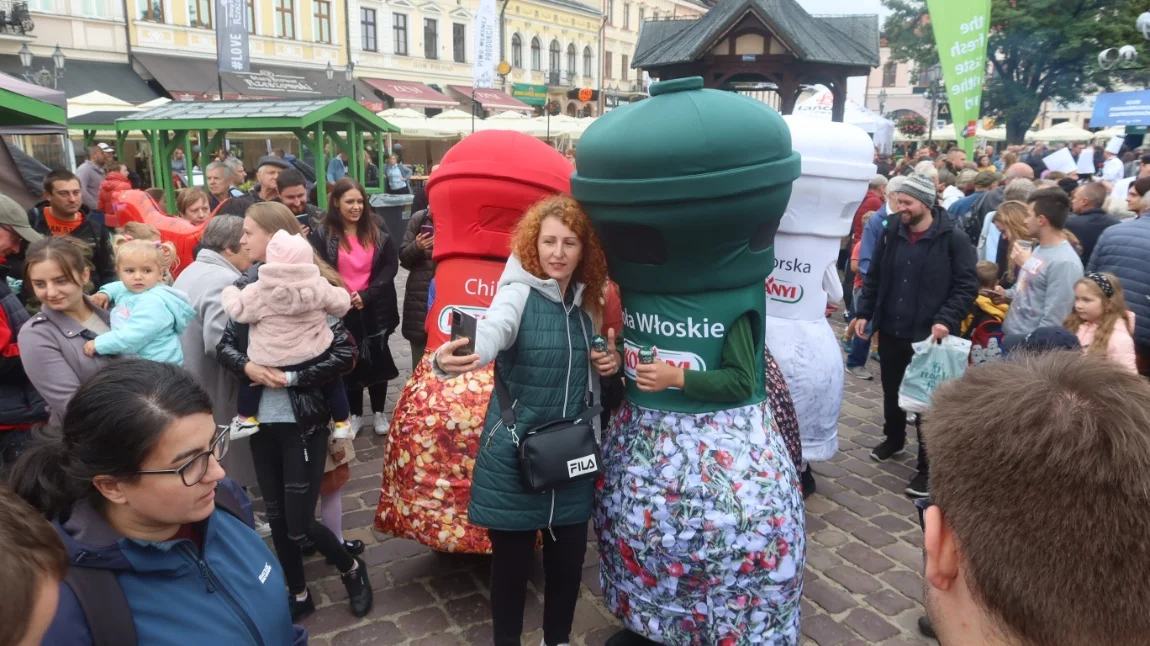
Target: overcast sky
(856, 87)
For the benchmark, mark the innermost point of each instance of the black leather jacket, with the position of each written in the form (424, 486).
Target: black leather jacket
(307, 400)
(380, 302)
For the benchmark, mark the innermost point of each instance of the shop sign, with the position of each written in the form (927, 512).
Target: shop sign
(530, 94)
(266, 81)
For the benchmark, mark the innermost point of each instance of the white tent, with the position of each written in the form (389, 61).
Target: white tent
(510, 120)
(997, 134)
(96, 101)
(1109, 133)
(1062, 132)
(414, 125)
(821, 103)
(154, 103)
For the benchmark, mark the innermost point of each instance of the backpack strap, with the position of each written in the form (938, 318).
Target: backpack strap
(105, 607)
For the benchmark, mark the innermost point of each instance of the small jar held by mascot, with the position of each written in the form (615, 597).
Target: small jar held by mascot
(699, 513)
(479, 192)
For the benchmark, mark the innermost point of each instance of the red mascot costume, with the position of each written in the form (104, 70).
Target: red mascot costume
(138, 206)
(478, 193)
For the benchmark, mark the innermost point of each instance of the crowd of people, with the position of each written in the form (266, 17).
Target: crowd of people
(142, 399)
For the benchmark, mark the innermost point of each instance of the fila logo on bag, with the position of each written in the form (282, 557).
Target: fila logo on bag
(579, 466)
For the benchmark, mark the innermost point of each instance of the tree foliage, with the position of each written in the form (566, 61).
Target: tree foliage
(1038, 50)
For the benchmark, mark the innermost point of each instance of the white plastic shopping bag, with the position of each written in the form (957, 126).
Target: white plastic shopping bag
(932, 364)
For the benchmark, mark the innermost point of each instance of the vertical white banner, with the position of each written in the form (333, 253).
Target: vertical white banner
(485, 33)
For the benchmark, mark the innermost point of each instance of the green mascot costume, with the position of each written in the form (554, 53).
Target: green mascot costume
(699, 512)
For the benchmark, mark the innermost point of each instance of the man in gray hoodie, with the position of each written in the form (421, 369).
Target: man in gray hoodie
(1044, 293)
(91, 173)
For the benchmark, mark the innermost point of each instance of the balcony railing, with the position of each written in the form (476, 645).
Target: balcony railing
(15, 19)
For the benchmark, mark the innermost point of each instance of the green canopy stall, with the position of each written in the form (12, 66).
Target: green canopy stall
(341, 121)
(27, 104)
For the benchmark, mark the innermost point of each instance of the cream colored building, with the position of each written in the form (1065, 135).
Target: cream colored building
(555, 44)
(623, 19)
(83, 29)
(896, 88)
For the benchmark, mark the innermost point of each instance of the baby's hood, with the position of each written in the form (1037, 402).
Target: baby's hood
(289, 249)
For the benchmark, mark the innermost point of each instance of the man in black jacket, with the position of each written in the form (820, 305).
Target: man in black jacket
(921, 284)
(63, 213)
(1089, 220)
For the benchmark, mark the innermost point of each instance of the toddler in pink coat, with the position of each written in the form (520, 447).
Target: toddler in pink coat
(287, 310)
(1101, 321)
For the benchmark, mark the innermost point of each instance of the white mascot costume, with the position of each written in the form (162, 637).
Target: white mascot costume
(836, 170)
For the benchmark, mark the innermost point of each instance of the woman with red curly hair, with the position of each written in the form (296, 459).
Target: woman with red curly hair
(538, 332)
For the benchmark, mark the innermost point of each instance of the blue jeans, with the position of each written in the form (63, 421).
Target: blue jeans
(860, 347)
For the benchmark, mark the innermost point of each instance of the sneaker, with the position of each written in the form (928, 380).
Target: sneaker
(381, 424)
(355, 548)
(846, 343)
(911, 418)
(341, 431)
(243, 427)
(925, 628)
(300, 609)
(919, 486)
(263, 528)
(860, 372)
(359, 592)
(874, 355)
(887, 450)
(356, 425)
(807, 480)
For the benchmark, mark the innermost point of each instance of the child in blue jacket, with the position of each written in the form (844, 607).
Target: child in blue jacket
(147, 317)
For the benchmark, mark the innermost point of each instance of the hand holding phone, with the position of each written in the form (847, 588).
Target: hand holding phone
(463, 326)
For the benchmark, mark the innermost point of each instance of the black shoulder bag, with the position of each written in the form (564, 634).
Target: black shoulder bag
(558, 453)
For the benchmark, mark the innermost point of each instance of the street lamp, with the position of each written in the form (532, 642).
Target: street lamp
(329, 72)
(43, 77)
(348, 74)
(932, 78)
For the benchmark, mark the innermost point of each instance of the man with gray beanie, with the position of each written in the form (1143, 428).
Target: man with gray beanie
(921, 284)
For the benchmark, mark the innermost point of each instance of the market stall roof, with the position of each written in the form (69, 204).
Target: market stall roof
(81, 77)
(288, 114)
(96, 101)
(99, 119)
(490, 99)
(27, 104)
(411, 94)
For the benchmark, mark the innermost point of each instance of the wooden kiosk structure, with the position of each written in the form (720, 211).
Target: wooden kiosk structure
(774, 42)
(340, 121)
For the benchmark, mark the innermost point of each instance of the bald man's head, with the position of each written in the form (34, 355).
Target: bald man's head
(1019, 171)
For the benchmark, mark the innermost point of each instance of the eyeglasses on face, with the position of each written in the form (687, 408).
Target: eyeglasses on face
(194, 470)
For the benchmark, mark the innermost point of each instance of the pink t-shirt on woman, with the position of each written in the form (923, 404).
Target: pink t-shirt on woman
(355, 265)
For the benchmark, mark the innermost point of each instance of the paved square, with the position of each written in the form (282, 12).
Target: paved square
(864, 561)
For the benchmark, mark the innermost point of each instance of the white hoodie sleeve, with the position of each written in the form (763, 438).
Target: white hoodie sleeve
(498, 329)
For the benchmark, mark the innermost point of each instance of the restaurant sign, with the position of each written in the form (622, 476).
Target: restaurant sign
(530, 94)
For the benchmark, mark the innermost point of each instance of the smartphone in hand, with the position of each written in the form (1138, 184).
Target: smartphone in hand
(426, 230)
(463, 326)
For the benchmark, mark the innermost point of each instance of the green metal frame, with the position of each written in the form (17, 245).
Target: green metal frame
(19, 110)
(342, 122)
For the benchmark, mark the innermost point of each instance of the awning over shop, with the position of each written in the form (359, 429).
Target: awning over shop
(194, 79)
(27, 104)
(1121, 109)
(81, 77)
(493, 100)
(530, 94)
(411, 94)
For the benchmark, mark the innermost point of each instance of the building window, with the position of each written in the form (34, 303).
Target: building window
(572, 58)
(399, 29)
(200, 13)
(626, 15)
(459, 42)
(625, 61)
(889, 72)
(285, 19)
(43, 6)
(367, 30)
(91, 8)
(587, 71)
(322, 23)
(516, 51)
(150, 10)
(553, 57)
(642, 16)
(607, 71)
(430, 39)
(251, 16)
(610, 11)
(536, 55)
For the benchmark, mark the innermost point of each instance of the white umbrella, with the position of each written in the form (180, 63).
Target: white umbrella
(1107, 134)
(516, 121)
(154, 103)
(996, 134)
(414, 125)
(1062, 132)
(96, 101)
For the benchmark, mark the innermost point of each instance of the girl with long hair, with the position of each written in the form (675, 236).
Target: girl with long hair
(1010, 219)
(1101, 321)
(538, 332)
(353, 240)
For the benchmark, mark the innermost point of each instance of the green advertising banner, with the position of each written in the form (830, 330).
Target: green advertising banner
(530, 94)
(960, 32)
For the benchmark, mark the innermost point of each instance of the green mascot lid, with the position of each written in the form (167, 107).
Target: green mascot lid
(687, 180)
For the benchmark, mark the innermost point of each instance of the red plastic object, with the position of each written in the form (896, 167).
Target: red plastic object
(465, 283)
(138, 206)
(484, 185)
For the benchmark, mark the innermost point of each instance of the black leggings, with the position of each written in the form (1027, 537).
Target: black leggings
(289, 471)
(378, 394)
(562, 571)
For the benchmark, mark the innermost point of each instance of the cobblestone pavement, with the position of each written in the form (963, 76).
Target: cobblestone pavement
(864, 561)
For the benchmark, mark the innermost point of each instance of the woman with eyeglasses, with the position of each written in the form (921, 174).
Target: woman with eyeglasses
(135, 488)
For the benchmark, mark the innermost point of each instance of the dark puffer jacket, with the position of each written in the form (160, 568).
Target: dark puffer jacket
(20, 404)
(421, 269)
(380, 302)
(90, 231)
(307, 399)
(1124, 250)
